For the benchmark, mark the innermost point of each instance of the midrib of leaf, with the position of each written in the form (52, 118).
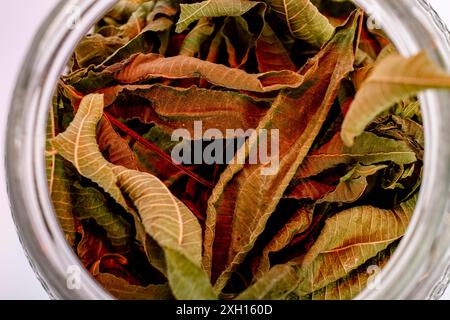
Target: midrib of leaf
(362, 244)
(173, 202)
(289, 19)
(162, 230)
(150, 146)
(303, 20)
(78, 136)
(357, 155)
(381, 80)
(195, 12)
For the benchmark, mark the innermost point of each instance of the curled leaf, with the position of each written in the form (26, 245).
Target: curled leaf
(393, 79)
(151, 66)
(368, 149)
(174, 108)
(91, 204)
(271, 53)
(194, 40)
(245, 196)
(212, 8)
(122, 290)
(297, 224)
(351, 238)
(353, 185)
(78, 144)
(117, 149)
(174, 228)
(304, 20)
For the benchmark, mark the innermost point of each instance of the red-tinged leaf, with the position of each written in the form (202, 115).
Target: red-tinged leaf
(245, 197)
(173, 108)
(310, 189)
(116, 149)
(92, 246)
(115, 264)
(155, 149)
(194, 40)
(271, 53)
(151, 66)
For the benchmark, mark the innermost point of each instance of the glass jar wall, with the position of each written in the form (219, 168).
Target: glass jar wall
(417, 270)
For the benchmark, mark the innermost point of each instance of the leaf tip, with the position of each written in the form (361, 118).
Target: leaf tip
(179, 28)
(348, 137)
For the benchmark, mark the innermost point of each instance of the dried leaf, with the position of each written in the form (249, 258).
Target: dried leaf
(348, 240)
(122, 290)
(276, 284)
(95, 48)
(304, 20)
(175, 229)
(353, 185)
(194, 40)
(349, 287)
(297, 224)
(368, 149)
(151, 66)
(117, 149)
(58, 183)
(271, 53)
(165, 218)
(245, 197)
(78, 145)
(212, 8)
(90, 203)
(393, 79)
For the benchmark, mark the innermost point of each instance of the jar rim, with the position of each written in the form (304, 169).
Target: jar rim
(416, 27)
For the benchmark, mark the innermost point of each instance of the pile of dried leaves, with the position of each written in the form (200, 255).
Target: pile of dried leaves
(341, 200)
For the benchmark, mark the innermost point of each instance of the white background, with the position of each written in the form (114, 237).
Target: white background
(18, 23)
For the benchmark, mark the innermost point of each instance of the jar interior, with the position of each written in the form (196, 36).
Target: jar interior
(385, 18)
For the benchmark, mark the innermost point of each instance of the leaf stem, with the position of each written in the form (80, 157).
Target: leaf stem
(155, 149)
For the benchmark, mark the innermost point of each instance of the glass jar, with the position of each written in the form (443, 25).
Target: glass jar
(420, 267)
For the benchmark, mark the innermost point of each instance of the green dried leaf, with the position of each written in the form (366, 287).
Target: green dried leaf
(59, 189)
(90, 203)
(194, 40)
(174, 228)
(303, 20)
(212, 8)
(368, 149)
(58, 183)
(276, 284)
(95, 48)
(353, 185)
